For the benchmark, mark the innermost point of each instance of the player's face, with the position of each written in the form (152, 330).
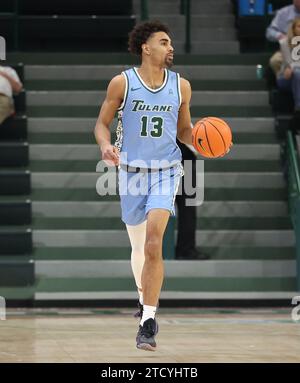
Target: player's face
(160, 49)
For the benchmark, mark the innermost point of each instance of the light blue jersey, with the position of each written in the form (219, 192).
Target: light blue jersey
(147, 122)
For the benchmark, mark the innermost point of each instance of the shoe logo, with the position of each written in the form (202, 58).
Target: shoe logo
(170, 91)
(133, 89)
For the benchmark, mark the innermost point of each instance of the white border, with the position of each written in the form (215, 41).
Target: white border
(125, 92)
(178, 88)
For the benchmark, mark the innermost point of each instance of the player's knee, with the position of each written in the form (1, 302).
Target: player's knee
(153, 248)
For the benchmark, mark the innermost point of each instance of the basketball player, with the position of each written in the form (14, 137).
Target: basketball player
(153, 108)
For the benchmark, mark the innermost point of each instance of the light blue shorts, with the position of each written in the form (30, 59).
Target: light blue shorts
(140, 192)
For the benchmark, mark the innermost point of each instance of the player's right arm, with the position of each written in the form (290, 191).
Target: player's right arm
(113, 100)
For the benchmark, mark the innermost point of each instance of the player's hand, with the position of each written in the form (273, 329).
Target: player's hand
(110, 155)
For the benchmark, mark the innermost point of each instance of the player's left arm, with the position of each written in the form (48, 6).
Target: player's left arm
(184, 131)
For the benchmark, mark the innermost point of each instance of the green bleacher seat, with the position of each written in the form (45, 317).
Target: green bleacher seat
(14, 128)
(8, 30)
(71, 7)
(283, 123)
(15, 212)
(7, 6)
(15, 182)
(14, 154)
(84, 33)
(252, 33)
(281, 101)
(59, 25)
(16, 272)
(15, 241)
(61, 33)
(20, 102)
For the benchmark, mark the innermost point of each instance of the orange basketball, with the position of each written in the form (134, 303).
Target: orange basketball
(211, 137)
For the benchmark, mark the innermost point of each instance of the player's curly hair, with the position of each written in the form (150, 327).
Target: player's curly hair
(141, 33)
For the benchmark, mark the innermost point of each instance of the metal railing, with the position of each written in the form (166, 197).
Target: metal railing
(185, 9)
(144, 10)
(294, 195)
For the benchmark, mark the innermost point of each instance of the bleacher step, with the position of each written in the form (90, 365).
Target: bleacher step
(241, 139)
(60, 153)
(207, 209)
(211, 194)
(70, 180)
(78, 285)
(119, 238)
(80, 125)
(113, 58)
(203, 223)
(197, 20)
(77, 72)
(221, 111)
(229, 252)
(173, 269)
(88, 85)
(200, 98)
(222, 165)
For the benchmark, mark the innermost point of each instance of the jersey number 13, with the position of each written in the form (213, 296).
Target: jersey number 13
(156, 126)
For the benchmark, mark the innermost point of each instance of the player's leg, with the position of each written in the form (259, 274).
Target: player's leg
(137, 236)
(152, 277)
(159, 206)
(134, 216)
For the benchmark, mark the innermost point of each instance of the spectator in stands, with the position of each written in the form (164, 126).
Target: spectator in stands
(289, 75)
(9, 84)
(278, 30)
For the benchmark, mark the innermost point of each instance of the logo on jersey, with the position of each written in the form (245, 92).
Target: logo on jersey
(139, 105)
